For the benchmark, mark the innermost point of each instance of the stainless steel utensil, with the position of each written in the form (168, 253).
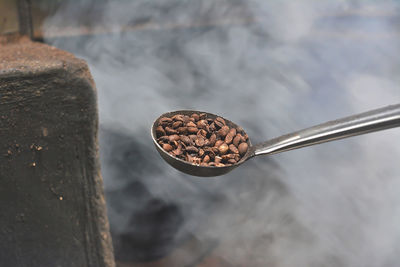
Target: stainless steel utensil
(371, 121)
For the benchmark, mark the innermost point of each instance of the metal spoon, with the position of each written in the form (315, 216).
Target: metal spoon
(371, 121)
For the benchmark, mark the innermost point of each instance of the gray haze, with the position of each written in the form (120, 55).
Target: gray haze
(272, 67)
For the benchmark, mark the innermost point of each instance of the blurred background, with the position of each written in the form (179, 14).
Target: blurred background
(272, 67)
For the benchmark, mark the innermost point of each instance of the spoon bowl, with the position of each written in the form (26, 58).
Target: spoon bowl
(190, 168)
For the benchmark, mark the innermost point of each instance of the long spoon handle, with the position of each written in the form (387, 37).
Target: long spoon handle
(371, 121)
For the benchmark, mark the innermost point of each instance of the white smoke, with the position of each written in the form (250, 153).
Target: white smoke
(287, 65)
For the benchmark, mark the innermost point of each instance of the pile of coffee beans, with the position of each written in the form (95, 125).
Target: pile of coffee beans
(201, 140)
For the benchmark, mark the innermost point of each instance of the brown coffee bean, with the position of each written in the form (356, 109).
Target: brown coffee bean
(177, 124)
(212, 127)
(195, 116)
(223, 148)
(167, 147)
(217, 159)
(174, 137)
(215, 150)
(218, 143)
(232, 132)
(223, 131)
(212, 139)
(191, 124)
(227, 157)
(219, 165)
(202, 124)
(182, 130)
(206, 159)
(221, 120)
(186, 119)
(242, 148)
(160, 131)
(178, 150)
(192, 130)
(201, 152)
(165, 119)
(164, 138)
(236, 140)
(192, 149)
(186, 140)
(170, 131)
(231, 161)
(218, 124)
(229, 138)
(233, 149)
(202, 116)
(202, 132)
(177, 117)
(199, 142)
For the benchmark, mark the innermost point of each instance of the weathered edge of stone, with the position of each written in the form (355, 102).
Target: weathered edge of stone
(25, 59)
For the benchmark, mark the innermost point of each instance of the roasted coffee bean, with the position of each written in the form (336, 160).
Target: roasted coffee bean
(228, 157)
(201, 152)
(218, 143)
(231, 161)
(221, 120)
(167, 147)
(192, 149)
(182, 130)
(212, 139)
(186, 119)
(242, 148)
(191, 124)
(212, 127)
(164, 138)
(233, 149)
(174, 137)
(202, 132)
(165, 119)
(195, 116)
(192, 130)
(170, 130)
(236, 140)
(218, 124)
(160, 131)
(202, 124)
(178, 150)
(201, 140)
(177, 117)
(232, 132)
(223, 148)
(177, 124)
(186, 140)
(193, 137)
(223, 131)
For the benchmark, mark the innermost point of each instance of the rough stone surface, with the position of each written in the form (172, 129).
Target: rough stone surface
(51, 195)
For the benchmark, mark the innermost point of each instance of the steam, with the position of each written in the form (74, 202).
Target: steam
(276, 67)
